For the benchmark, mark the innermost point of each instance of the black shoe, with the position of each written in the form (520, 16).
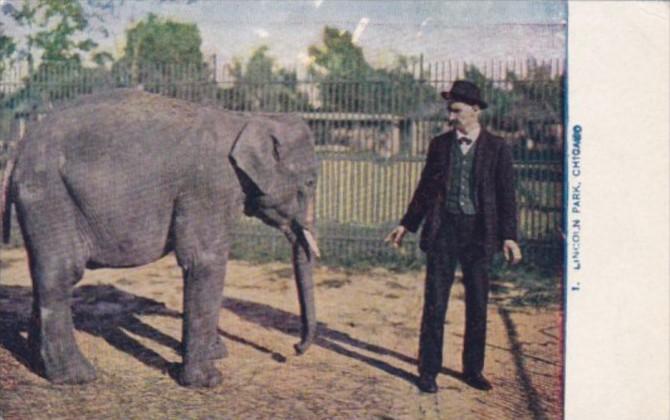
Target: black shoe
(477, 380)
(426, 383)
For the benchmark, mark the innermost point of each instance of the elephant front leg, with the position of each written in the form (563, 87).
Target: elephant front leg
(51, 332)
(203, 289)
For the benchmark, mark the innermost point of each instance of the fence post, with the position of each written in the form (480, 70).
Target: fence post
(421, 66)
(214, 68)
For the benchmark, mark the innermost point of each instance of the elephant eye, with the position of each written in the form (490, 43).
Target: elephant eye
(310, 183)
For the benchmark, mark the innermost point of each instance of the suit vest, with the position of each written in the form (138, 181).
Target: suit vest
(460, 189)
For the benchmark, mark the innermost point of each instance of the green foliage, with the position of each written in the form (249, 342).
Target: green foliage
(258, 68)
(529, 106)
(260, 85)
(59, 23)
(339, 57)
(57, 32)
(54, 82)
(102, 58)
(402, 92)
(539, 97)
(163, 42)
(7, 49)
(165, 57)
(525, 284)
(350, 84)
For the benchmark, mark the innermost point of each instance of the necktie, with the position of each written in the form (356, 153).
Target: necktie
(465, 140)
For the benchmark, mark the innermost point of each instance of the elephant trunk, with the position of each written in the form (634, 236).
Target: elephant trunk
(302, 266)
(304, 251)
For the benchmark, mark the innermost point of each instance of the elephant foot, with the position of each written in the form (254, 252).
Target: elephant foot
(218, 350)
(200, 375)
(71, 370)
(60, 361)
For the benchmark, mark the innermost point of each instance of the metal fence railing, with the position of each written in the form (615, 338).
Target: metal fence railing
(371, 134)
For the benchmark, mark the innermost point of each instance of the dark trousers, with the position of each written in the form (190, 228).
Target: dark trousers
(457, 242)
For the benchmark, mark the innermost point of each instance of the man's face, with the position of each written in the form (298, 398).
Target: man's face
(462, 116)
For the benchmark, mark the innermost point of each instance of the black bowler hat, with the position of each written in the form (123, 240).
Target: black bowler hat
(465, 91)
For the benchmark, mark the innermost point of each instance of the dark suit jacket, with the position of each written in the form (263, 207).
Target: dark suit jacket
(494, 186)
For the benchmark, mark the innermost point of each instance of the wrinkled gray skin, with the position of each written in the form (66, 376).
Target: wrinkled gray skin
(120, 179)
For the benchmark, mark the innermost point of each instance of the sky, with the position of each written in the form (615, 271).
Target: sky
(473, 31)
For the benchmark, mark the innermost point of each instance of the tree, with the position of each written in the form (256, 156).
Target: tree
(7, 49)
(539, 96)
(350, 84)
(164, 56)
(58, 41)
(339, 57)
(528, 109)
(259, 84)
(58, 23)
(163, 42)
(406, 89)
(340, 67)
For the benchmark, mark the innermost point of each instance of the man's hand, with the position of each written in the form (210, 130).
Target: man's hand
(511, 251)
(396, 235)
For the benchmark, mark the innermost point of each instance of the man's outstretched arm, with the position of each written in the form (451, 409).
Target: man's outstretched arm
(421, 199)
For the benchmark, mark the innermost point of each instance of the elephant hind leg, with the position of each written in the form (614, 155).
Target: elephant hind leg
(57, 261)
(51, 333)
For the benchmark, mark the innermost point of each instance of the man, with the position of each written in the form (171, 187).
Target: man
(466, 197)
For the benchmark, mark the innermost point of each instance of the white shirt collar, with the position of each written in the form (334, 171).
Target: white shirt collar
(472, 135)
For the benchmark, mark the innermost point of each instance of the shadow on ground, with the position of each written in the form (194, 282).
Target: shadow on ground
(108, 312)
(101, 310)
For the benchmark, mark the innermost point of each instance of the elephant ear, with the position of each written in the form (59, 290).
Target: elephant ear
(256, 153)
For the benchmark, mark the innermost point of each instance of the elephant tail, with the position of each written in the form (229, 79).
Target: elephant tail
(6, 199)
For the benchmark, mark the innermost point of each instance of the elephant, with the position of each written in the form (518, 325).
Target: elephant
(124, 177)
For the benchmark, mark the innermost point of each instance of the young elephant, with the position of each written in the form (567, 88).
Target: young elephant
(120, 179)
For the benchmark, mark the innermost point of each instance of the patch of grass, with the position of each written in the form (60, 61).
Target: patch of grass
(532, 285)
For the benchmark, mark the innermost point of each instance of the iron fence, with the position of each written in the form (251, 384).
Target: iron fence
(371, 134)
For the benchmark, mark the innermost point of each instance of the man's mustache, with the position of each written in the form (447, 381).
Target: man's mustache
(454, 123)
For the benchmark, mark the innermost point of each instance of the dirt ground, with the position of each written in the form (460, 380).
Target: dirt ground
(363, 364)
